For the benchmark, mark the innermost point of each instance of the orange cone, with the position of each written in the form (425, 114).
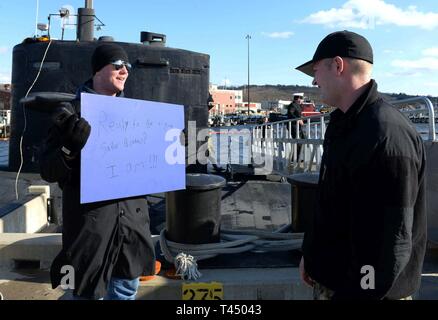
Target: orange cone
(157, 271)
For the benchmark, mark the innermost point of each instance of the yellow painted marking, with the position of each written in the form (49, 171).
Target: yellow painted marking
(202, 291)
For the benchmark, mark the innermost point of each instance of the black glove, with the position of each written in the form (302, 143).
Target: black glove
(74, 135)
(62, 113)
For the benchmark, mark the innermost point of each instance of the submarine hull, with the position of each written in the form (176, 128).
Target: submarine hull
(159, 74)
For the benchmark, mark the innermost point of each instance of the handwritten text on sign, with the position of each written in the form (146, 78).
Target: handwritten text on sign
(127, 153)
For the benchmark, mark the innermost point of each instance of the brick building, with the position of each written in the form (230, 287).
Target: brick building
(5, 97)
(224, 101)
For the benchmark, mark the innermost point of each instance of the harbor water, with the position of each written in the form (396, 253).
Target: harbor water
(4, 152)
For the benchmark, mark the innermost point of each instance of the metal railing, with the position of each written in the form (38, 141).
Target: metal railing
(295, 147)
(5, 123)
(407, 107)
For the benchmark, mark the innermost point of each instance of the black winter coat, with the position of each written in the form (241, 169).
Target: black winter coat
(294, 110)
(372, 207)
(100, 240)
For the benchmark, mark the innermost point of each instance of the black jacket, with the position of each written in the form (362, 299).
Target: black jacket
(100, 240)
(371, 209)
(294, 110)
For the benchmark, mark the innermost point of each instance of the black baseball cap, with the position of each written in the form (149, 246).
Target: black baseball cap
(343, 44)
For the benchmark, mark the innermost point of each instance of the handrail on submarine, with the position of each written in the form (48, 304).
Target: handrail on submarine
(430, 110)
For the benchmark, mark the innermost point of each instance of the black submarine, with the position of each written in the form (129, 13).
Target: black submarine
(159, 74)
(45, 66)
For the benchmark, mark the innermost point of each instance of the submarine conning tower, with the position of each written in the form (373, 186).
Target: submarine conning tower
(159, 74)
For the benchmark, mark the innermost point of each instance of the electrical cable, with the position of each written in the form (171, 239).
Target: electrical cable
(25, 120)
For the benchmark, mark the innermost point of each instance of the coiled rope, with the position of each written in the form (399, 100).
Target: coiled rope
(185, 256)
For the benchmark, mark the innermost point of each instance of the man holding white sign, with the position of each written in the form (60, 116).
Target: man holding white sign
(108, 243)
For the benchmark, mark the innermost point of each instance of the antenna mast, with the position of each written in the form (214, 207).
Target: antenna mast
(36, 17)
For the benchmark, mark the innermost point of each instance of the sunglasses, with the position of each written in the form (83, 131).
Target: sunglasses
(119, 64)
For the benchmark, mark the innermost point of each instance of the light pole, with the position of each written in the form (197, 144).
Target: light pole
(248, 37)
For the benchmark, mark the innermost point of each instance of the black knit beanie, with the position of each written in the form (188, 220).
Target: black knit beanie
(105, 54)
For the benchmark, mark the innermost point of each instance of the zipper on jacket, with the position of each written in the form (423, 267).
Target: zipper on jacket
(324, 169)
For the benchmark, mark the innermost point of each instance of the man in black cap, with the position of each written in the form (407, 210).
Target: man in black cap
(368, 235)
(108, 244)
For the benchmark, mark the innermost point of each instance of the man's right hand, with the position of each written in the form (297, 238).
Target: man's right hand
(304, 276)
(75, 134)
